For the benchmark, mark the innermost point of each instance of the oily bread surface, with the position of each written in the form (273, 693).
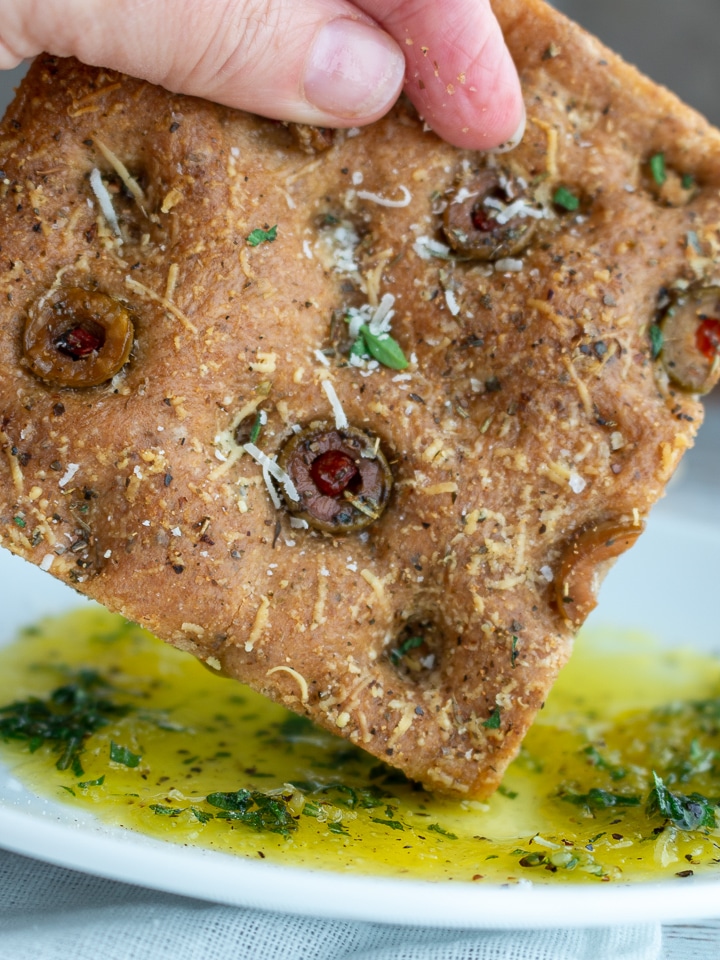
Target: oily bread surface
(531, 409)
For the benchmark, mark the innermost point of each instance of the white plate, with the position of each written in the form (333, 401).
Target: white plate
(667, 585)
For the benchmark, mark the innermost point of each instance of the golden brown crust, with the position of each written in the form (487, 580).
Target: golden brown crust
(531, 409)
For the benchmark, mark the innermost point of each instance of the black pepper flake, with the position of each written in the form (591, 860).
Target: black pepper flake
(167, 479)
(493, 385)
(416, 398)
(174, 126)
(178, 567)
(684, 873)
(58, 409)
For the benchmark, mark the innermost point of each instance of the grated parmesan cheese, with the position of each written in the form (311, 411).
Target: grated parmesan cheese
(105, 201)
(72, 469)
(383, 201)
(341, 421)
(451, 300)
(274, 470)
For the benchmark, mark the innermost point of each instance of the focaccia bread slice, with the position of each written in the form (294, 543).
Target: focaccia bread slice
(355, 417)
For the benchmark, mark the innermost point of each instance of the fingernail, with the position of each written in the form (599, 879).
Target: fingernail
(515, 139)
(353, 69)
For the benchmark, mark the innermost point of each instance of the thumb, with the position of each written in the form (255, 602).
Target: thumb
(321, 62)
(460, 74)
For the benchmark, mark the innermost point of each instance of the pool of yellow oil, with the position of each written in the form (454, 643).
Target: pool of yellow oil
(194, 759)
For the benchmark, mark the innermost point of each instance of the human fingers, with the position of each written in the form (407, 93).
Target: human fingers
(322, 62)
(460, 74)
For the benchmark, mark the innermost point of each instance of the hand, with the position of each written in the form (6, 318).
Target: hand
(324, 62)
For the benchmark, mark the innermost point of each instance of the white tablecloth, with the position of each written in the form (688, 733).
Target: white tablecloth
(49, 913)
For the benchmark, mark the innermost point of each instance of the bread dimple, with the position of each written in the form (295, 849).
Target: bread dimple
(533, 409)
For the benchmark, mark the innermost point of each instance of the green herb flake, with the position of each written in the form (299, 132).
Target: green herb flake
(687, 812)
(256, 428)
(493, 721)
(258, 236)
(339, 829)
(514, 652)
(597, 760)
(63, 721)
(406, 646)
(123, 755)
(393, 824)
(656, 340)
(565, 199)
(436, 828)
(505, 792)
(657, 168)
(258, 810)
(384, 349)
(161, 811)
(202, 815)
(92, 783)
(688, 181)
(597, 799)
(19, 522)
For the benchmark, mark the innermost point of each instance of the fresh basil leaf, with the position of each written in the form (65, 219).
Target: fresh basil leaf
(384, 349)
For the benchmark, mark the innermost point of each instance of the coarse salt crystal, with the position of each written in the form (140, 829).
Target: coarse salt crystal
(508, 265)
(547, 573)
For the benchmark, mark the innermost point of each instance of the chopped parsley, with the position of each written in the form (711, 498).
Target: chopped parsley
(656, 340)
(597, 760)
(436, 828)
(597, 799)
(688, 181)
(123, 755)
(411, 643)
(657, 168)
(258, 810)
(258, 236)
(686, 812)
(63, 721)
(493, 721)
(565, 199)
(19, 522)
(256, 428)
(162, 811)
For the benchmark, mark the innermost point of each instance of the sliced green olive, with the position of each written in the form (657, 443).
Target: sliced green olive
(77, 338)
(585, 561)
(691, 339)
(470, 220)
(341, 476)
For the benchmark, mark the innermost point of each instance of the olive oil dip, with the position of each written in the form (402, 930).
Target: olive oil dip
(618, 779)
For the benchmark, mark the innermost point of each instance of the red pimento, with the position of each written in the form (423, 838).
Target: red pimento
(332, 472)
(78, 343)
(481, 221)
(707, 338)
